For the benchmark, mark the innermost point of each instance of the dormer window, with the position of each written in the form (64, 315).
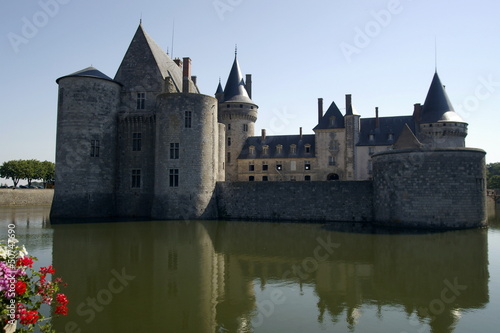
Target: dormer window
(332, 121)
(251, 150)
(279, 149)
(265, 149)
(307, 148)
(293, 149)
(390, 137)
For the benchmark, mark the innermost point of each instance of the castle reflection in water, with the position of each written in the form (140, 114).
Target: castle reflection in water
(202, 276)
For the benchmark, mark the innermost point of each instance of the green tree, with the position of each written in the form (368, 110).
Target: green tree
(12, 169)
(30, 169)
(48, 171)
(493, 169)
(494, 182)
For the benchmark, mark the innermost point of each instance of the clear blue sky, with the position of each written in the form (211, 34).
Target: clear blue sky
(382, 52)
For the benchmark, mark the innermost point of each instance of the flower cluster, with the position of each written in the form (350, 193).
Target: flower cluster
(23, 290)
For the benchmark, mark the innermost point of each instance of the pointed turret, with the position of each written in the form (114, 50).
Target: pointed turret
(440, 126)
(235, 90)
(437, 106)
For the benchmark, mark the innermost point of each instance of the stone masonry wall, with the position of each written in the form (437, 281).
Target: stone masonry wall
(296, 201)
(26, 197)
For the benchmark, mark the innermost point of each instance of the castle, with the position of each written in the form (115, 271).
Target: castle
(148, 143)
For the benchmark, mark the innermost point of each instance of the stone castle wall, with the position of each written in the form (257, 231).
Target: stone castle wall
(26, 197)
(296, 201)
(439, 188)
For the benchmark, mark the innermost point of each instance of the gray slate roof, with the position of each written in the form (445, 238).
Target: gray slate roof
(437, 106)
(235, 90)
(387, 126)
(285, 140)
(325, 123)
(88, 72)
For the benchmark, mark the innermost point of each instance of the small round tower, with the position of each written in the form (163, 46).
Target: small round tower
(238, 113)
(86, 144)
(439, 125)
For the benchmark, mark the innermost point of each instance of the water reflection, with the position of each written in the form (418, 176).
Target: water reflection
(241, 277)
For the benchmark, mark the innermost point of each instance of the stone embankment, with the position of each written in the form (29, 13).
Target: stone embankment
(26, 197)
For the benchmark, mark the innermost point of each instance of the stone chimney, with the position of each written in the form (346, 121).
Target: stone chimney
(320, 109)
(248, 85)
(348, 105)
(186, 74)
(417, 112)
(300, 131)
(377, 122)
(263, 137)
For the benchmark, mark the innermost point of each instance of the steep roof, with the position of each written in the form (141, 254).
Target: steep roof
(326, 123)
(437, 106)
(143, 57)
(235, 90)
(88, 72)
(273, 141)
(407, 139)
(387, 132)
(219, 89)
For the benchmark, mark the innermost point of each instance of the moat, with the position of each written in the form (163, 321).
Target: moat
(221, 276)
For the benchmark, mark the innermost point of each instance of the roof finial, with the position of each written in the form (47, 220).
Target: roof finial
(235, 50)
(435, 55)
(140, 20)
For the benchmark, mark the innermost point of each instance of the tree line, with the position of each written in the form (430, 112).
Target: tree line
(493, 171)
(27, 169)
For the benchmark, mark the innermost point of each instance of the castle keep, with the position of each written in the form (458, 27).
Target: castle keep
(148, 143)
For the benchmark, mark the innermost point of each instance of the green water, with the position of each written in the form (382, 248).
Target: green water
(218, 276)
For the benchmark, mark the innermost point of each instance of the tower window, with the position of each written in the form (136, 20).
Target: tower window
(228, 141)
(245, 127)
(188, 119)
(141, 101)
(136, 141)
(136, 178)
(228, 127)
(331, 160)
(94, 148)
(228, 157)
(174, 177)
(174, 151)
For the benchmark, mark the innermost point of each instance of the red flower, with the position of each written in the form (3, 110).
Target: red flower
(61, 309)
(24, 261)
(20, 287)
(61, 298)
(28, 317)
(47, 270)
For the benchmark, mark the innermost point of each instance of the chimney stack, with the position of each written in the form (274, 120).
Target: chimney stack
(417, 112)
(377, 123)
(186, 74)
(300, 131)
(320, 109)
(348, 105)
(263, 138)
(178, 62)
(248, 85)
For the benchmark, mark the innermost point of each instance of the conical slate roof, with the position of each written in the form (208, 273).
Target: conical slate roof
(235, 86)
(333, 111)
(219, 89)
(88, 72)
(437, 106)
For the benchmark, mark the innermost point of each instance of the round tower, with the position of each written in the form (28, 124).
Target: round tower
(439, 125)
(187, 156)
(86, 144)
(238, 113)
